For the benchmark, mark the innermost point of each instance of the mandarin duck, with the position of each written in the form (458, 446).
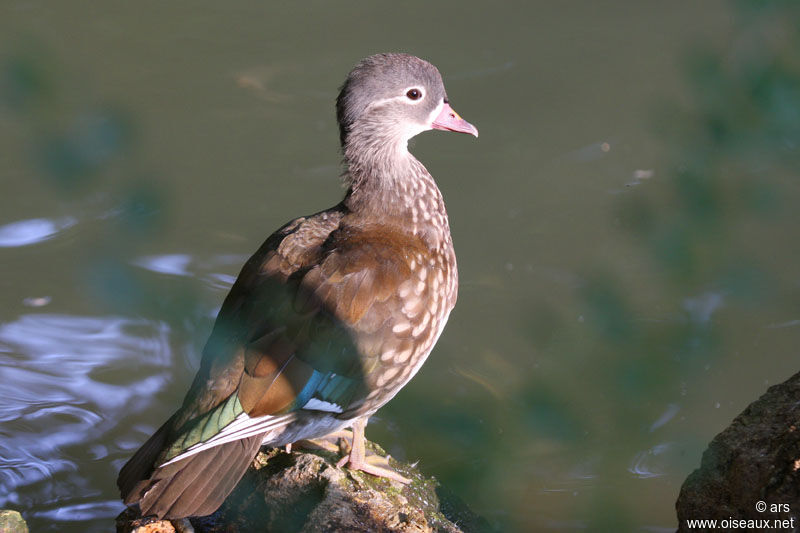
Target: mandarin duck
(331, 317)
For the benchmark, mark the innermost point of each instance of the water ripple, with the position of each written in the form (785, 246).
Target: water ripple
(83, 511)
(67, 381)
(175, 264)
(185, 265)
(651, 463)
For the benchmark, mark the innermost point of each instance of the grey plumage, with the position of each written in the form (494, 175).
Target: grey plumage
(380, 76)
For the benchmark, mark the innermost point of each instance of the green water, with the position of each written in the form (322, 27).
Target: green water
(625, 230)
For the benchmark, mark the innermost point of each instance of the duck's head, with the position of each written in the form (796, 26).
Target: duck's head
(389, 98)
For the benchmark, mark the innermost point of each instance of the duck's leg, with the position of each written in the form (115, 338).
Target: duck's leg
(335, 442)
(356, 459)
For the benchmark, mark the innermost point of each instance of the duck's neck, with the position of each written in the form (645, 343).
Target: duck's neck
(388, 184)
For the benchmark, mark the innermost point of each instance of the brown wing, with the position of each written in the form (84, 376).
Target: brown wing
(378, 285)
(253, 317)
(337, 318)
(353, 303)
(354, 308)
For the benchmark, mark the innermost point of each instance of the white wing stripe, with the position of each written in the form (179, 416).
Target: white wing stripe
(243, 426)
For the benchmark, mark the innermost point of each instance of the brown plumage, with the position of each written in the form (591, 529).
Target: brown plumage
(330, 317)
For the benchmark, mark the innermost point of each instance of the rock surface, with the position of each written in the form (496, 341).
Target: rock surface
(756, 459)
(306, 492)
(12, 522)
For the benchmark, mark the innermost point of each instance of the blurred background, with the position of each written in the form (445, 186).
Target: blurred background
(626, 227)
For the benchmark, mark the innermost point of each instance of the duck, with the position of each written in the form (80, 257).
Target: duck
(330, 317)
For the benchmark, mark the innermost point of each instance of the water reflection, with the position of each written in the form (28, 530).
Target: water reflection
(37, 301)
(188, 266)
(653, 462)
(670, 412)
(81, 512)
(32, 231)
(702, 307)
(67, 381)
(175, 264)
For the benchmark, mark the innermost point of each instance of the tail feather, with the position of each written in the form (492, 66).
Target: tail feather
(141, 465)
(195, 486)
(167, 487)
(201, 487)
(227, 469)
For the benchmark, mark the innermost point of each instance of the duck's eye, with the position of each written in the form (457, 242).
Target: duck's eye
(414, 94)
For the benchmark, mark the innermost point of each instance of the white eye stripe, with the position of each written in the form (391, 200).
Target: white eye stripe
(402, 98)
(435, 112)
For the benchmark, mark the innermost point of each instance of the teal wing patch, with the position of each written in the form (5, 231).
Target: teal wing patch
(326, 392)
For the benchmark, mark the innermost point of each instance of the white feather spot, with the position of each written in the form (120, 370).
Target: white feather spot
(315, 404)
(411, 307)
(426, 318)
(405, 288)
(419, 288)
(386, 376)
(401, 327)
(403, 356)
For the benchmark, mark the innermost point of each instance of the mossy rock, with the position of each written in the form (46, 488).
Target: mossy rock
(12, 522)
(304, 491)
